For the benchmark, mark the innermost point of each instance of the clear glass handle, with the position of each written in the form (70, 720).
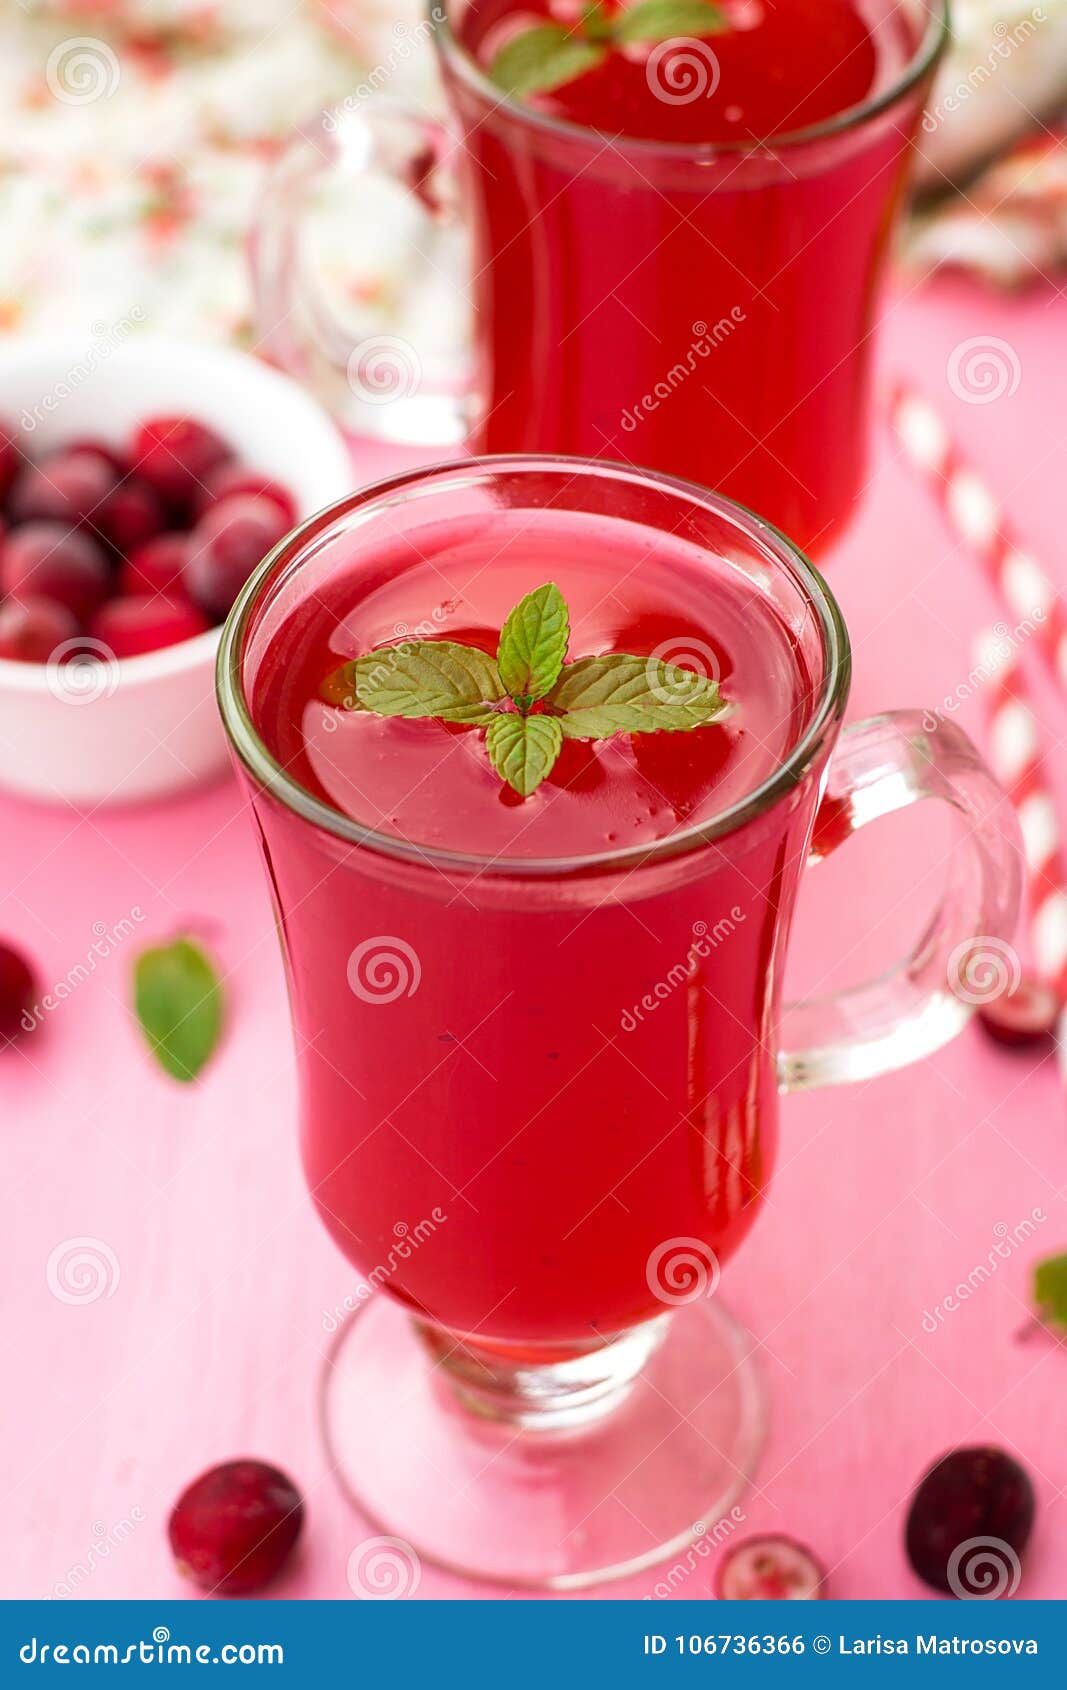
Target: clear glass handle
(359, 264)
(880, 766)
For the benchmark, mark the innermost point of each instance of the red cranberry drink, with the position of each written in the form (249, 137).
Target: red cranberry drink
(679, 295)
(612, 1040)
(535, 750)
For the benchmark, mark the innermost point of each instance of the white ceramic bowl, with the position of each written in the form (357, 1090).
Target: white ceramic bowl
(121, 731)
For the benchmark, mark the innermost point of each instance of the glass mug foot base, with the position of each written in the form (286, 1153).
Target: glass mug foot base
(582, 1502)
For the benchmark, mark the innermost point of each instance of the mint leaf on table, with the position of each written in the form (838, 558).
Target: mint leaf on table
(663, 20)
(178, 1000)
(533, 643)
(1050, 1292)
(618, 693)
(522, 749)
(544, 58)
(593, 698)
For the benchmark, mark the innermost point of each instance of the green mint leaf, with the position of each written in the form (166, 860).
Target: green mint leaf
(533, 643)
(480, 714)
(428, 678)
(596, 24)
(1050, 1292)
(178, 999)
(601, 696)
(663, 20)
(339, 688)
(522, 749)
(543, 58)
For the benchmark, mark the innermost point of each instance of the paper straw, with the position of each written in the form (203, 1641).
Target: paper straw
(976, 518)
(1017, 757)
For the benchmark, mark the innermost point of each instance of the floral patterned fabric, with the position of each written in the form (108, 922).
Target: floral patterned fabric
(133, 141)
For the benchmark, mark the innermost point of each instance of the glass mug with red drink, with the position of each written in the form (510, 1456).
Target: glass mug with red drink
(675, 252)
(534, 922)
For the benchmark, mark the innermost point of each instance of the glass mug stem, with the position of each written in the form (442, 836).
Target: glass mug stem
(537, 1392)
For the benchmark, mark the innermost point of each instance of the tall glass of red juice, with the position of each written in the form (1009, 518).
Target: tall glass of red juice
(541, 1040)
(675, 255)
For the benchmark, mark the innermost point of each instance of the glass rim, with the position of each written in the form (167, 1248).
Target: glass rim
(275, 779)
(927, 51)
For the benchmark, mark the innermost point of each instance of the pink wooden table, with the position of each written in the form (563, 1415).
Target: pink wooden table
(888, 1195)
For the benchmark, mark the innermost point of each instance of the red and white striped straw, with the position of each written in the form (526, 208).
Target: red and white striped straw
(1017, 752)
(1017, 757)
(977, 519)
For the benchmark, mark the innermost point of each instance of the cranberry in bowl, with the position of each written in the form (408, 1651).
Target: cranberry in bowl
(138, 488)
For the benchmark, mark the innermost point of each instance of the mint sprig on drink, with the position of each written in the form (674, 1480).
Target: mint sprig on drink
(548, 55)
(529, 699)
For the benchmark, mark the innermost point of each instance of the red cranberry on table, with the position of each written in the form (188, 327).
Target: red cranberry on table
(49, 560)
(1024, 1016)
(132, 625)
(175, 455)
(969, 1523)
(32, 628)
(233, 1528)
(65, 487)
(227, 544)
(18, 992)
(233, 477)
(763, 1569)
